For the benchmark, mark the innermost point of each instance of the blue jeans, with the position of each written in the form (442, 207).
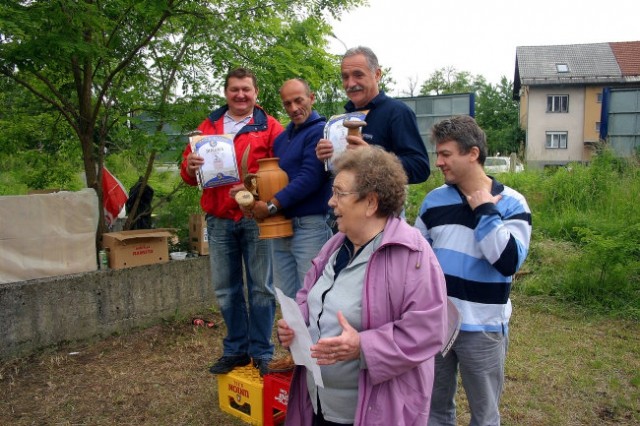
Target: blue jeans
(480, 357)
(292, 256)
(230, 244)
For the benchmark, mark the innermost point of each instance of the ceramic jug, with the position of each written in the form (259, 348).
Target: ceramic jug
(266, 182)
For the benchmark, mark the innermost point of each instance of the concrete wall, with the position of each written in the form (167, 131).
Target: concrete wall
(36, 314)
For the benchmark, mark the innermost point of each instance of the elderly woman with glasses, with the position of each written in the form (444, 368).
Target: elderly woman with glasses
(374, 302)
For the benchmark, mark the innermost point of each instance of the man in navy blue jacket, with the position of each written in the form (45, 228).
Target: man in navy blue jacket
(305, 199)
(390, 123)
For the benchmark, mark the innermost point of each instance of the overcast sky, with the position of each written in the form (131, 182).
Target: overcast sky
(417, 37)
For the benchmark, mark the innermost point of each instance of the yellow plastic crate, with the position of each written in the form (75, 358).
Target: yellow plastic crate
(240, 394)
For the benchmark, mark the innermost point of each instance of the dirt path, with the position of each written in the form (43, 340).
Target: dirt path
(561, 370)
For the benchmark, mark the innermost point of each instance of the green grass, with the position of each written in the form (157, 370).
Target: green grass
(570, 367)
(565, 366)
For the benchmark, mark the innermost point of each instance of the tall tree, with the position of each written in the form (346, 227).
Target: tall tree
(412, 83)
(98, 64)
(387, 81)
(497, 113)
(448, 80)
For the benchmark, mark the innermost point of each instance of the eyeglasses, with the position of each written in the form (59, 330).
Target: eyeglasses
(340, 194)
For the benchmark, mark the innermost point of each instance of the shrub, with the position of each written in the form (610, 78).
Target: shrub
(585, 247)
(593, 209)
(417, 193)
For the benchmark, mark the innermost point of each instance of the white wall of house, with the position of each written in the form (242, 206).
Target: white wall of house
(540, 122)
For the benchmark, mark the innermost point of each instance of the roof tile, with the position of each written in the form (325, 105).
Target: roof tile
(627, 54)
(584, 61)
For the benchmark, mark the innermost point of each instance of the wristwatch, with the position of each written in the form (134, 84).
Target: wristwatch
(272, 208)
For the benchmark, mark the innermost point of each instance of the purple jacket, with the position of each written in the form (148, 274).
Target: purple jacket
(404, 322)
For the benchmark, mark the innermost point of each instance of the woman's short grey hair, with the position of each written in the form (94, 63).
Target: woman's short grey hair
(376, 171)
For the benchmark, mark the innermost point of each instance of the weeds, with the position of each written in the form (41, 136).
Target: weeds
(585, 247)
(586, 234)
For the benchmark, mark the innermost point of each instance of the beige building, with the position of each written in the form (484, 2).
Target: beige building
(560, 92)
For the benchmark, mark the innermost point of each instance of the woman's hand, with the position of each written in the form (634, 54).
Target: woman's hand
(285, 334)
(344, 347)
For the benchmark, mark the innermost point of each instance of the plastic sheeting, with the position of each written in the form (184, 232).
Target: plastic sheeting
(46, 235)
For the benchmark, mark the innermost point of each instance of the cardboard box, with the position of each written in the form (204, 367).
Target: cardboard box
(138, 247)
(198, 237)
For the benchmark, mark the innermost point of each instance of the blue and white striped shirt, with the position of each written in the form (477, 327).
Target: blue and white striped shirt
(479, 251)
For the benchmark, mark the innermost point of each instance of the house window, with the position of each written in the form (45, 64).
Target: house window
(556, 140)
(557, 103)
(561, 68)
(597, 126)
(599, 98)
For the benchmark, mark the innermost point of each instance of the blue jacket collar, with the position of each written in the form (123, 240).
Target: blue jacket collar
(313, 119)
(497, 188)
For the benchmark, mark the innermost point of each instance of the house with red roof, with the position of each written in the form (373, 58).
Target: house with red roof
(561, 89)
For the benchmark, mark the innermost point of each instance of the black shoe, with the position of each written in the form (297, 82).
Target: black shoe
(262, 365)
(227, 363)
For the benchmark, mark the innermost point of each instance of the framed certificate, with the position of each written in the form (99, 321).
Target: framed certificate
(336, 132)
(220, 166)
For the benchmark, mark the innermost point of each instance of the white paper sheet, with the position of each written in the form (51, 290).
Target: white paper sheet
(301, 346)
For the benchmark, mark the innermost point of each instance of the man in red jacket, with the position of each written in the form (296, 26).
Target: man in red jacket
(233, 238)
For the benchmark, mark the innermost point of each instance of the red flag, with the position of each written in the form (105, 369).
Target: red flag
(114, 196)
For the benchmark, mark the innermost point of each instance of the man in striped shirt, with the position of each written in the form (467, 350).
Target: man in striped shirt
(479, 230)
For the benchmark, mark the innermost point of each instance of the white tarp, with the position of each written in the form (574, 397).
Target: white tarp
(44, 235)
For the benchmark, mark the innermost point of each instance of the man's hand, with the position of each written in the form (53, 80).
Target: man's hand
(478, 198)
(246, 211)
(260, 210)
(344, 347)
(354, 142)
(324, 149)
(235, 189)
(194, 162)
